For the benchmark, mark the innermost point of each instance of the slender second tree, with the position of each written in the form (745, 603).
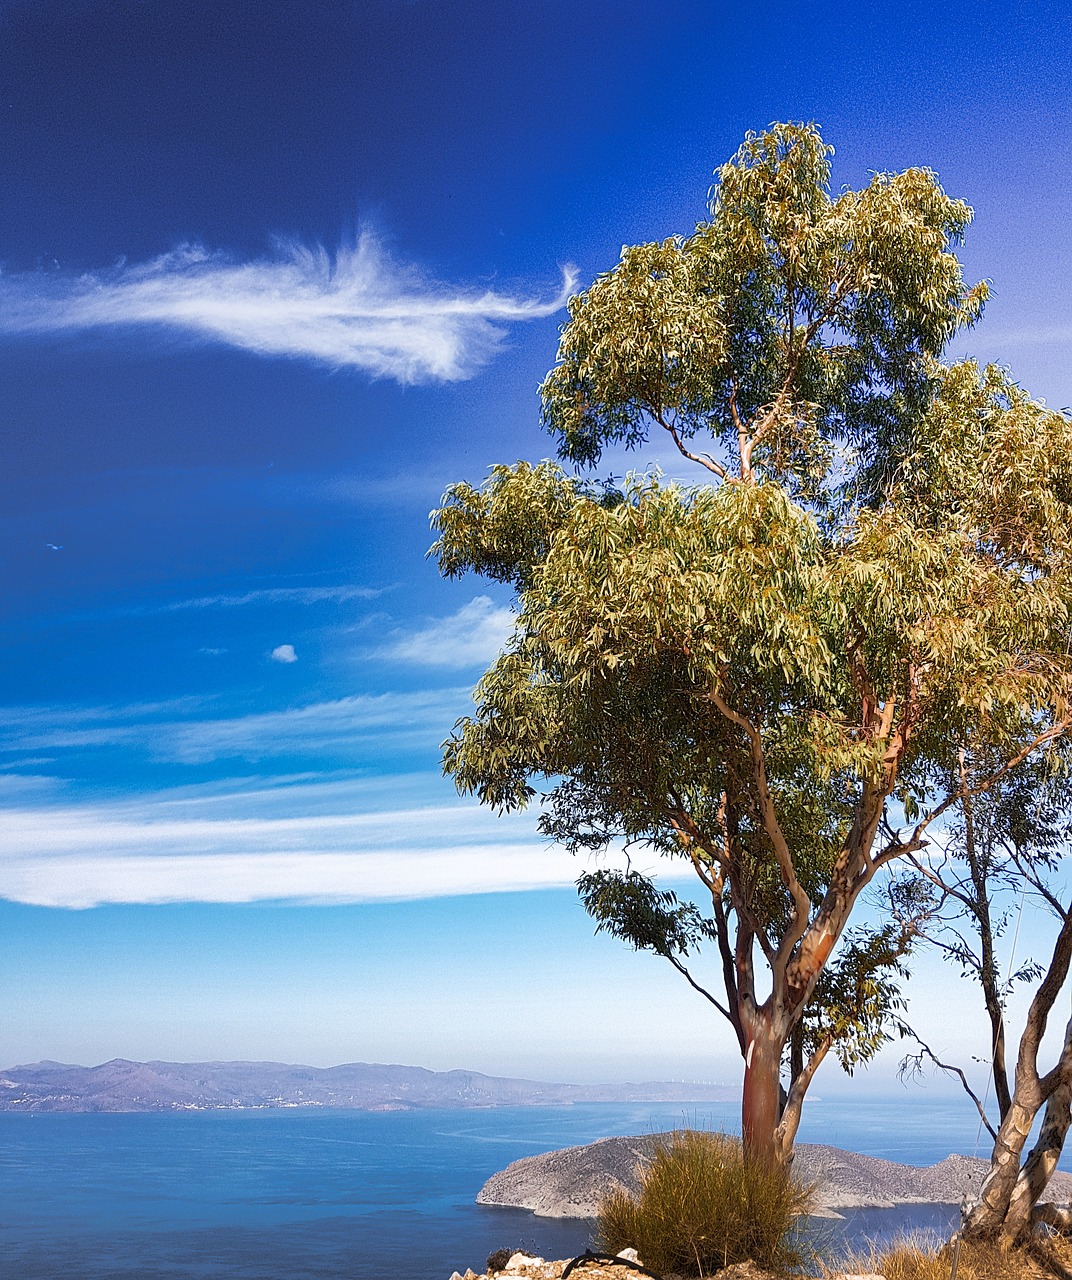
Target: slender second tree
(768, 673)
(1002, 854)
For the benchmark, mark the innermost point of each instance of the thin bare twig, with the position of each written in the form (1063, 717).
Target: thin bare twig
(925, 1051)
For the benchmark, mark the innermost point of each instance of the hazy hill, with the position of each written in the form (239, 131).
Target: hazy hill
(121, 1085)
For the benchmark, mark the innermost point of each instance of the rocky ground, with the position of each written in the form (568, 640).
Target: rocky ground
(523, 1266)
(570, 1183)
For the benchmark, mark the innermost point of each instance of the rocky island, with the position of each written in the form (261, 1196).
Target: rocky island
(570, 1183)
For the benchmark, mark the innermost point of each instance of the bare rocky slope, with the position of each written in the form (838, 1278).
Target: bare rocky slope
(570, 1183)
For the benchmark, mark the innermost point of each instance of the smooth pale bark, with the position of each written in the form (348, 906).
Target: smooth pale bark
(993, 1215)
(987, 1217)
(786, 1134)
(1041, 1163)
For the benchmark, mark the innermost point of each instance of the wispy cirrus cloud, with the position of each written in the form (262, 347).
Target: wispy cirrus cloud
(357, 308)
(276, 843)
(379, 722)
(174, 732)
(268, 596)
(474, 636)
(263, 597)
(309, 877)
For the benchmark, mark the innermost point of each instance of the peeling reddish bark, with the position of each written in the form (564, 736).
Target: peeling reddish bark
(761, 1101)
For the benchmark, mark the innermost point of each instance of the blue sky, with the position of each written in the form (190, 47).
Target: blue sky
(273, 275)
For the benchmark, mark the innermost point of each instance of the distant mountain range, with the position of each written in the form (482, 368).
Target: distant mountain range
(120, 1085)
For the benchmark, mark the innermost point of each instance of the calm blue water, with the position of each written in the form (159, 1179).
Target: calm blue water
(300, 1195)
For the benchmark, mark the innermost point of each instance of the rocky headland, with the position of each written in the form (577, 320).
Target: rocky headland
(570, 1183)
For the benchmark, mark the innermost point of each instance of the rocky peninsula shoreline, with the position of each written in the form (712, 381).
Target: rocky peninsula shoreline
(571, 1182)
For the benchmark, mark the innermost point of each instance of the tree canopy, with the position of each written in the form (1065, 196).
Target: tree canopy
(770, 674)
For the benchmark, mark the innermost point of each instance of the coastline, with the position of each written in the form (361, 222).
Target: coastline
(571, 1182)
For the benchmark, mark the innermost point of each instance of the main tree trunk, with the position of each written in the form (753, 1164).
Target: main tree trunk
(761, 1102)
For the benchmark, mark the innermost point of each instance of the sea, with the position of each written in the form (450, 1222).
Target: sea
(321, 1194)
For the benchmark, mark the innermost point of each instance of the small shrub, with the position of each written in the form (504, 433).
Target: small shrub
(497, 1261)
(701, 1207)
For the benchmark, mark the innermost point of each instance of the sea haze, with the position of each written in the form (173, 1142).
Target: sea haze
(319, 1194)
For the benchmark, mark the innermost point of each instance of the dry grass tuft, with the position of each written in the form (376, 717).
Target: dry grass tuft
(1045, 1258)
(702, 1207)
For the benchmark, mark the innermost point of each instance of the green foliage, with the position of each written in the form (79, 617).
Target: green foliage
(504, 529)
(826, 311)
(702, 1207)
(633, 614)
(858, 995)
(631, 908)
(750, 674)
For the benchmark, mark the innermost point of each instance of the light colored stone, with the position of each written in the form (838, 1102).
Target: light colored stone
(519, 1261)
(630, 1255)
(744, 1271)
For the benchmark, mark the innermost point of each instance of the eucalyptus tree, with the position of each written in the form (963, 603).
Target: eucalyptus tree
(758, 673)
(1003, 853)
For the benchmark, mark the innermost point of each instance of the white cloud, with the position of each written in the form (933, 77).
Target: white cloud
(358, 309)
(388, 720)
(474, 636)
(161, 849)
(383, 722)
(269, 595)
(306, 877)
(18, 724)
(284, 653)
(262, 596)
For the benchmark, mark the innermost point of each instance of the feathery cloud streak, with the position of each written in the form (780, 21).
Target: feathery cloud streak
(267, 596)
(358, 309)
(157, 850)
(78, 883)
(381, 722)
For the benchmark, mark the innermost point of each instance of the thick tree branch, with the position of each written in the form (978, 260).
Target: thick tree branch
(794, 1103)
(744, 967)
(1056, 730)
(1042, 1003)
(729, 972)
(769, 817)
(702, 459)
(683, 821)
